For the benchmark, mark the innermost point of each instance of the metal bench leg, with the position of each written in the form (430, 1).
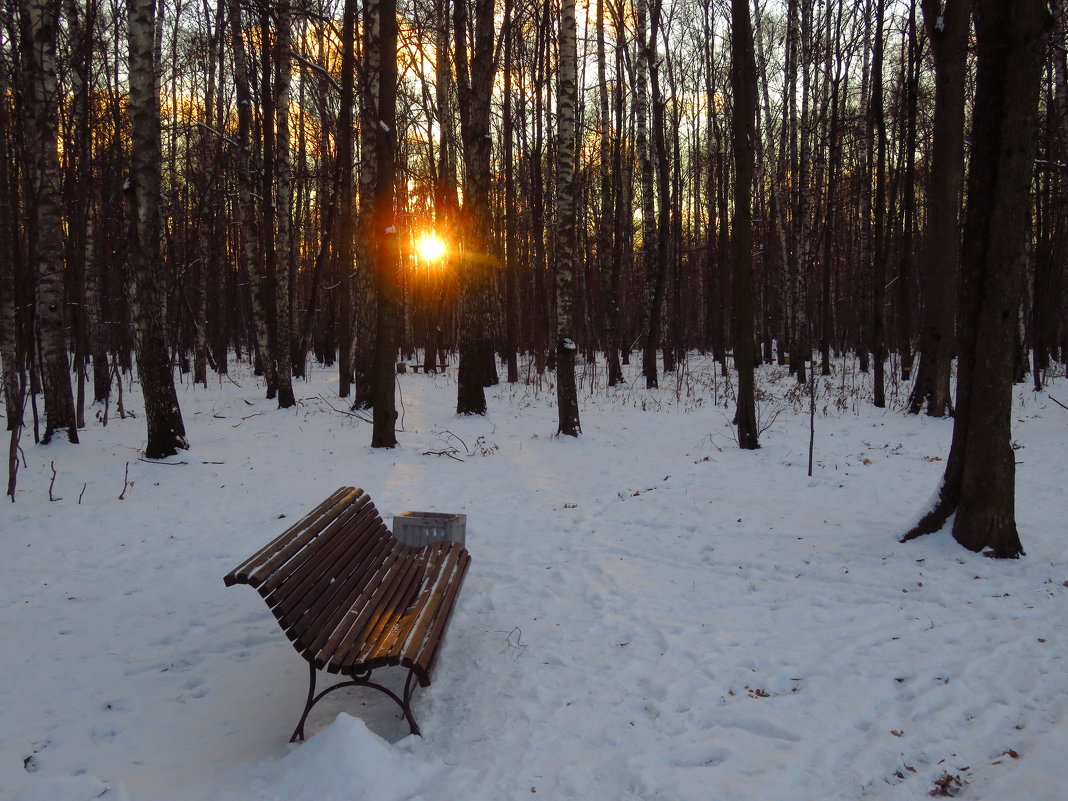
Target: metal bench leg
(358, 681)
(299, 731)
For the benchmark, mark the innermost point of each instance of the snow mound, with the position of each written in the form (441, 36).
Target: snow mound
(347, 762)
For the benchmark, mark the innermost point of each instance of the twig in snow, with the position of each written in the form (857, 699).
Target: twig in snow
(155, 461)
(342, 411)
(52, 483)
(125, 482)
(1057, 401)
(450, 452)
(80, 494)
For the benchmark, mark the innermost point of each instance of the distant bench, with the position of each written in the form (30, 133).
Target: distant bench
(352, 598)
(434, 368)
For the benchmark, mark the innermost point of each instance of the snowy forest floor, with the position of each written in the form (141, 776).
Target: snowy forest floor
(650, 613)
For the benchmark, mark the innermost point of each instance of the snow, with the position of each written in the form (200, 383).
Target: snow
(650, 613)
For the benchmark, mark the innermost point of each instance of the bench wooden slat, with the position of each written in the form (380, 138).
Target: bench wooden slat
(313, 553)
(388, 646)
(383, 619)
(253, 570)
(420, 651)
(311, 631)
(337, 567)
(352, 631)
(324, 617)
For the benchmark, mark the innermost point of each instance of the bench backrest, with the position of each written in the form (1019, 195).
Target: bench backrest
(341, 586)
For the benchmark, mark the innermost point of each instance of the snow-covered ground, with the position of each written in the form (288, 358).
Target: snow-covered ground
(650, 613)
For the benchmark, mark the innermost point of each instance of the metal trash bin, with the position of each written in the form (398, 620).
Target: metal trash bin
(423, 528)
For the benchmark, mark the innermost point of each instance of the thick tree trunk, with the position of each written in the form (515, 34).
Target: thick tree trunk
(166, 431)
(979, 482)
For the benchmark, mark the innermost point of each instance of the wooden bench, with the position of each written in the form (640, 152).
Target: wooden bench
(353, 599)
(440, 368)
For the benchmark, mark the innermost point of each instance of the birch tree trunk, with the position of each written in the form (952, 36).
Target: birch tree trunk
(148, 302)
(38, 22)
(877, 126)
(9, 359)
(566, 391)
(283, 345)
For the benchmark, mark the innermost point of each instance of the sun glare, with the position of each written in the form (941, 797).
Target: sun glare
(430, 247)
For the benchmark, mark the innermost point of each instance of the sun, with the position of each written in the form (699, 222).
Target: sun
(430, 247)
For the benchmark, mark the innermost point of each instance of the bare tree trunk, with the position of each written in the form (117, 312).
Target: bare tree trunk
(878, 275)
(908, 222)
(948, 29)
(645, 161)
(743, 124)
(511, 238)
(661, 224)
(979, 482)
(605, 245)
(39, 18)
(9, 360)
(566, 391)
(166, 431)
(475, 71)
(384, 238)
(283, 345)
(245, 205)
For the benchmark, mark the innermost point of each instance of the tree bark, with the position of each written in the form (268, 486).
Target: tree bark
(39, 18)
(979, 481)
(566, 391)
(384, 238)
(475, 71)
(166, 430)
(283, 345)
(948, 29)
(610, 175)
(743, 123)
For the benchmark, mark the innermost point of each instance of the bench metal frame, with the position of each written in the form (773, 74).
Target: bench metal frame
(362, 679)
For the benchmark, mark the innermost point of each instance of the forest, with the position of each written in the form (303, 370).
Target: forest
(686, 306)
(521, 186)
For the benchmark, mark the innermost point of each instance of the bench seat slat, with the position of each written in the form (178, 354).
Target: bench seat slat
(357, 624)
(381, 621)
(420, 651)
